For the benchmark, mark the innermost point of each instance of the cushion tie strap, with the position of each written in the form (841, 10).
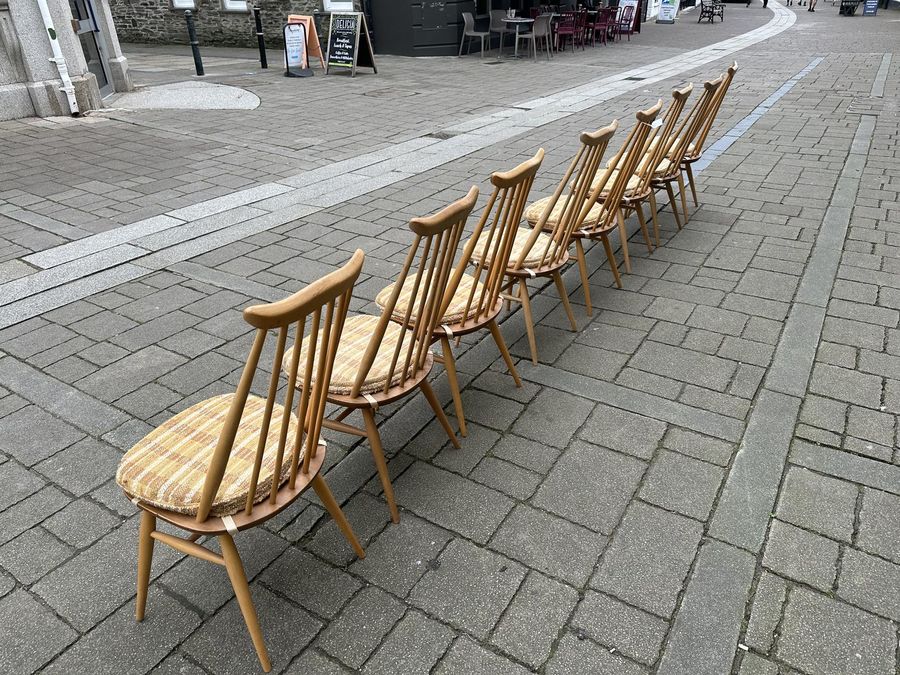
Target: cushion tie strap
(230, 527)
(371, 401)
(447, 330)
(530, 272)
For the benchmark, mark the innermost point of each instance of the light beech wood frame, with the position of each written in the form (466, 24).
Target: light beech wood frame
(324, 305)
(428, 264)
(571, 213)
(617, 175)
(498, 223)
(659, 144)
(694, 154)
(687, 133)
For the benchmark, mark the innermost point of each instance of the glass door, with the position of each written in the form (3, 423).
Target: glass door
(85, 26)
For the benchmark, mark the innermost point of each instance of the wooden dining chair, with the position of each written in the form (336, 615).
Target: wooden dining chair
(670, 169)
(473, 299)
(381, 359)
(695, 150)
(614, 182)
(231, 462)
(543, 250)
(660, 142)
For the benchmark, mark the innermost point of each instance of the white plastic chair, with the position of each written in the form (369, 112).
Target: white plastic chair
(470, 32)
(498, 25)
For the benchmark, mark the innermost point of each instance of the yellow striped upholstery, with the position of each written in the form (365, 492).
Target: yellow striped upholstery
(532, 259)
(455, 309)
(167, 468)
(534, 212)
(633, 183)
(358, 331)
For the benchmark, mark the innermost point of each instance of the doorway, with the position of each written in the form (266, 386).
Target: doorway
(92, 44)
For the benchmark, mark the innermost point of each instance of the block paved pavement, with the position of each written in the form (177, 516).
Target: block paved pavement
(704, 478)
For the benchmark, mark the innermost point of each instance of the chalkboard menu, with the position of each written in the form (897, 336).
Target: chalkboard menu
(348, 43)
(870, 7)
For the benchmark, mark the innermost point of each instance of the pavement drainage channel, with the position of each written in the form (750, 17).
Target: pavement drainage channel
(63, 270)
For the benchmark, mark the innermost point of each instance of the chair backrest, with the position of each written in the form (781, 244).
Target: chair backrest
(620, 171)
(662, 138)
(577, 204)
(627, 16)
(426, 277)
(534, 12)
(700, 141)
(332, 294)
(497, 229)
(497, 16)
(542, 25)
(691, 126)
(581, 19)
(566, 20)
(606, 15)
(468, 22)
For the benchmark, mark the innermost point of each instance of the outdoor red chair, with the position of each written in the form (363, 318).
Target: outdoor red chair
(625, 22)
(571, 26)
(600, 25)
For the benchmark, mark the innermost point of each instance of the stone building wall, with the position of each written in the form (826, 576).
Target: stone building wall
(154, 21)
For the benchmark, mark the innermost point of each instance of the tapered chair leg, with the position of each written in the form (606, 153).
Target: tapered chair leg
(438, 411)
(612, 261)
(639, 209)
(529, 319)
(673, 204)
(380, 463)
(690, 175)
(585, 280)
(564, 296)
(334, 509)
(145, 558)
(681, 191)
(245, 601)
(450, 367)
(654, 216)
(623, 238)
(501, 345)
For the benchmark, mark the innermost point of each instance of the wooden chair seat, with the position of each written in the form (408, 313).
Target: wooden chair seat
(534, 212)
(358, 331)
(167, 468)
(532, 259)
(456, 310)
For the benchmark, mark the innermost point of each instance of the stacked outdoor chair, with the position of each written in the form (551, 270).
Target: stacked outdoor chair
(229, 463)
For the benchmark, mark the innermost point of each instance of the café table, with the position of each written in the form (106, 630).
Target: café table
(517, 21)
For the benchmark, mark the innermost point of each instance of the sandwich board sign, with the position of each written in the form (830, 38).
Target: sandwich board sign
(348, 43)
(668, 10)
(296, 60)
(870, 7)
(313, 49)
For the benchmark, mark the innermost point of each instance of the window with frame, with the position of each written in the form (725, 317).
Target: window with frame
(482, 7)
(184, 4)
(235, 5)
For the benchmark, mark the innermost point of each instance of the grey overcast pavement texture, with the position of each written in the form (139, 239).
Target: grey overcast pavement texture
(703, 479)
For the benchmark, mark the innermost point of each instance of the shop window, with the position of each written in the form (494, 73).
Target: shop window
(482, 7)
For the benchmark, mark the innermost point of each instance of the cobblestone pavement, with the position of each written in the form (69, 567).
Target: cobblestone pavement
(705, 478)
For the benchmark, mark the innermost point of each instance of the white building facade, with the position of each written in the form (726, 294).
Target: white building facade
(58, 57)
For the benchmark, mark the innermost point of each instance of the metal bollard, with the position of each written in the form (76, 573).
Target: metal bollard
(195, 44)
(257, 16)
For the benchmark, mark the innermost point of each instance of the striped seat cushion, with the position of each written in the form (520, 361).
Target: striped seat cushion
(455, 310)
(633, 183)
(532, 259)
(534, 212)
(167, 468)
(358, 331)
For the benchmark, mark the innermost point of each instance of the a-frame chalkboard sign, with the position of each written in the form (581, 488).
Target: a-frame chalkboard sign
(348, 43)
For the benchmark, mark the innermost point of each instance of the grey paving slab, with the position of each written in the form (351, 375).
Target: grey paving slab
(742, 514)
(626, 629)
(705, 633)
(28, 646)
